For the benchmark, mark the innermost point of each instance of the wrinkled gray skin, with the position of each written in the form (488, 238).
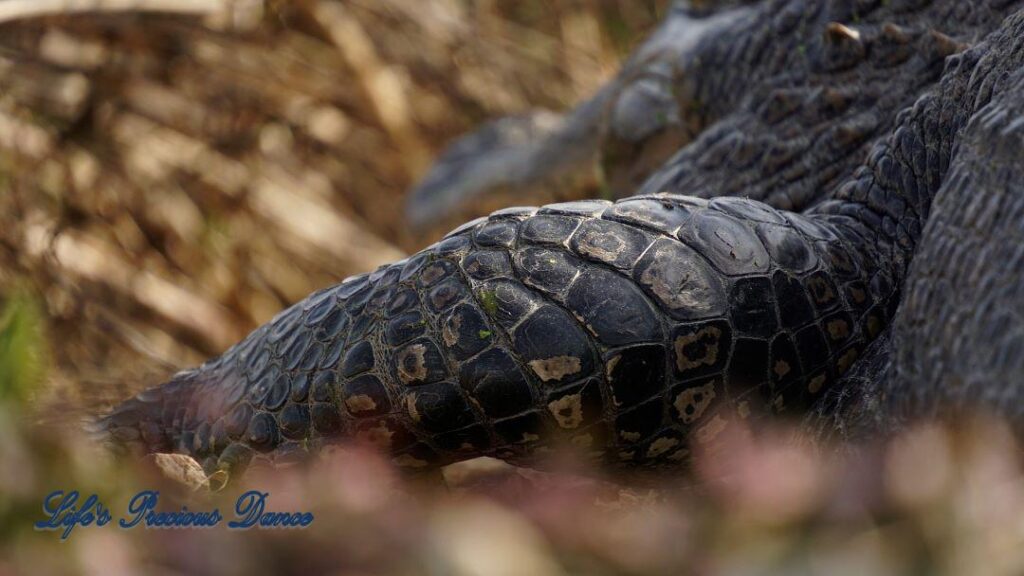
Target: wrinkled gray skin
(874, 276)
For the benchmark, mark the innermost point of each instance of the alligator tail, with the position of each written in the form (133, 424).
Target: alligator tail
(150, 421)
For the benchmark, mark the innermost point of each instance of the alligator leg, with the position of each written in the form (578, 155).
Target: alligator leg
(633, 329)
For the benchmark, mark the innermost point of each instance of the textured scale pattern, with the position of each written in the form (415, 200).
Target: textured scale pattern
(629, 329)
(789, 110)
(640, 329)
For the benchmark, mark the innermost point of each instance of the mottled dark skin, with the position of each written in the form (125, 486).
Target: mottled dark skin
(640, 330)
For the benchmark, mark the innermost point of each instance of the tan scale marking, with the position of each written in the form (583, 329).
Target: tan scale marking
(450, 330)
(691, 295)
(660, 446)
(838, 329)
(782, 368)
(711, 430)
(409, 461)
(583, 440)
(379, 436)
(814, 386)
(360, 403)
(779, 403)
(846, 361)
(679, 455)
(874, 326)
(410, 406)
(627, 455)
(858, 295)
(689, 399)
(568, 411)
(528, 437)
(555, 368)
(683, 362)
(418, 370)
(610, 366)
(629, 436)
(823, 293)
(744, 409)
(431, 273)
(589, 247)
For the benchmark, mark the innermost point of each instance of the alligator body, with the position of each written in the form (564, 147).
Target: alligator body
(869, 138)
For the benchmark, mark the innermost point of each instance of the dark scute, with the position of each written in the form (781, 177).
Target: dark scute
(752, 303)
(548, 269)
(662, 216)
(610, 242)
(331, 326)
(681, 281)
(238, 420)
(419, 362)
(261, 386)
(551, 333)
(324, 386)
(262, 433)
(332, 356)
(465, 332)
(727, 242)
(636, 373)
(506, 302)
(589, 208)
(613, 308)
(748, 368)
(405, 327)
(440, 407)
(468, 440)
(787, 248)
(358, 359)
(785, 368)
(295, 349)
(323, 306)
(435, 272)
(312, 357)
(446, 294)
(591, 405)
(812, 347)
(644, 420)
(548, 229)
(747, 209)
(523, 428)
(278, 393)
(325, 417)
(494, 380)
(403, 300)
(502, 233)
(300, 386)
(362, 388)
(795, 308)
(823, 291)
(487, 264)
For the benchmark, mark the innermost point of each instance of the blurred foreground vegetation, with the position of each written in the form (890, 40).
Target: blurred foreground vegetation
(168, 182)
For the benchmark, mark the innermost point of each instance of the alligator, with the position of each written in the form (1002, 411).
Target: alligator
(838, 238)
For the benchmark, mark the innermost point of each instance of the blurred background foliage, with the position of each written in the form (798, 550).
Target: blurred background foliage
(169, 181)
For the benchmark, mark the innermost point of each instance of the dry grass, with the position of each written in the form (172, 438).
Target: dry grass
(170, 181)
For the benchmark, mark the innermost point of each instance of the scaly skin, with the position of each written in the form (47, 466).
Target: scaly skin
(777, 100)
(635, 330)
